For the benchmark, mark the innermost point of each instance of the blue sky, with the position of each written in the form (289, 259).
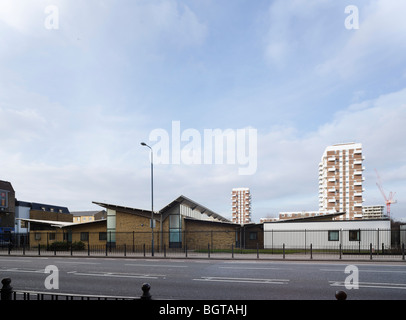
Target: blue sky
(76, 101)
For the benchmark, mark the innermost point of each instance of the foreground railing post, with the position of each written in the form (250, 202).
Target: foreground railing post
(145, 292)
(283, 251)
(311, 251)
(370, 251)
(341, 295)
(340, 249)
(403, 251)
(6, 290)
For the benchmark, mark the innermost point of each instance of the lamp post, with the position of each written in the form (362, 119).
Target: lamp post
(152, 197)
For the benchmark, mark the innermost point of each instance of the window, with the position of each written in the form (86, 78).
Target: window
(354, 235)
(333, 235)
(52, 236)
(175, 235)
(37, 236)
(253, 236)
(84, 236)
(175, 231)
(102, 235)
(3, 199)
(174, 221)
(67, 236)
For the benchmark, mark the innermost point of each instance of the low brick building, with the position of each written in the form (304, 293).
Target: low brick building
(46, 232)
(7, 208)
(181, 223)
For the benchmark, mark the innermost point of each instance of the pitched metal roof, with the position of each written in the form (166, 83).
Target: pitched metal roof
(141, 212)
(320, 217)
(194, 206)
(59, 224)
(180, 200)
(52, 223)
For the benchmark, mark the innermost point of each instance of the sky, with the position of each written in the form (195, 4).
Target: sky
(83, 83)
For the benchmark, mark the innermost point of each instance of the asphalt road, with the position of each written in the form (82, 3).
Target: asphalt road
(206, 279)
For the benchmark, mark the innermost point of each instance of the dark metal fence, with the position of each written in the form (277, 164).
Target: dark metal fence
(8, 293)
(302, 244)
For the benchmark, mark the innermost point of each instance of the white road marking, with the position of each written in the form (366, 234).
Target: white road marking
(363, 270)
(15, 260)
(371, 285)
(24, 270)
(251, 268)
(75, 262)
(244, 280)
(117, 275)
(155, 265)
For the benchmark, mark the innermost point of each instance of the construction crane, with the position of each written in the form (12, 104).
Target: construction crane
(388, 199)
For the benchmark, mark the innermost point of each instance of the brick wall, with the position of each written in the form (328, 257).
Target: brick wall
(52, 216)
(199, 234)
(134, 229)
(7, 214)
(47, 237)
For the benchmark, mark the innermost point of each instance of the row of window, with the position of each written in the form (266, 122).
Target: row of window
(353, 235)
(51, 210)
(84, 236)
(333, 235)
(77, 219)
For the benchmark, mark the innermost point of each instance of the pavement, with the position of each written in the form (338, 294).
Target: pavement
(200, 255)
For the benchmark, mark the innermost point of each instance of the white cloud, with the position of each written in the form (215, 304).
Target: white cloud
(170, 21)
(311, 36)
(287, 175)
(50, 151)
(70, 152)
(297, 26)
(377, 43)
(83, 24)
(109, 165)
(290, 161)
(21, 15)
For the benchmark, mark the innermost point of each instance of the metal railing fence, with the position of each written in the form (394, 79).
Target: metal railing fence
(308, 244)
(8, 293)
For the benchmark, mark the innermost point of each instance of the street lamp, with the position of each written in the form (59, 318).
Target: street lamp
(152, 197)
